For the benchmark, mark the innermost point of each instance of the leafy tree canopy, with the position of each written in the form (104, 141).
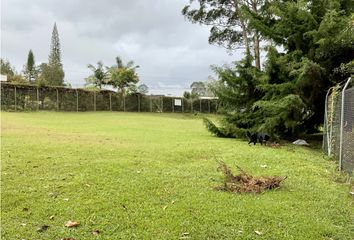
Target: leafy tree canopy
(99, 76)
(287, 97)
(122, 76)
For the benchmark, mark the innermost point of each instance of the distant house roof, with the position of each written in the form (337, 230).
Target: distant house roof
(208, 98)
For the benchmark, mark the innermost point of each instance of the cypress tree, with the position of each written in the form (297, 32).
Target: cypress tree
(30, 70)
(52, 73)
(55, 52)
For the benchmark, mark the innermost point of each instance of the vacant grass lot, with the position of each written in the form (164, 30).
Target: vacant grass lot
(151, 176)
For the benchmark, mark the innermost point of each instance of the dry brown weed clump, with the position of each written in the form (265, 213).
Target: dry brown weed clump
(245, 183)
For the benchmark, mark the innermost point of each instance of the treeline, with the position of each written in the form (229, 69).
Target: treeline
(45, 74)
(121, 76)
(309, 47)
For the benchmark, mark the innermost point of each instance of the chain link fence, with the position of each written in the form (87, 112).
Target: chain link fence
(338, 138)
(32, 98)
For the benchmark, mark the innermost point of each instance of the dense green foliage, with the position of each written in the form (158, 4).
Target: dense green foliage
(286, 97)
(10, 72)
(50, 75)
(6, 68)
(123, 76)
(98, 77)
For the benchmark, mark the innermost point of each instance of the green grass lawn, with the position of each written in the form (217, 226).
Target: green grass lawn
(151, 176)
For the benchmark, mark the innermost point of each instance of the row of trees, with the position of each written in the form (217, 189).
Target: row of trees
(50, 74)
(121, 76)
(286, 96)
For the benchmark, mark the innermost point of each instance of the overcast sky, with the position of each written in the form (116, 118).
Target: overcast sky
(171, 52)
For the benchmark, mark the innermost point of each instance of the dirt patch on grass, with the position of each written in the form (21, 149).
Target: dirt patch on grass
(245, 183)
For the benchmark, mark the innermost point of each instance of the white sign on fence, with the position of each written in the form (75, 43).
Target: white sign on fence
(178, 102)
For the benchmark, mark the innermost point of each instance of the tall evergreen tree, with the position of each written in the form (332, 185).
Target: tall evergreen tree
(317, 38)
(30, 70)
(52, 73)
(55, 52)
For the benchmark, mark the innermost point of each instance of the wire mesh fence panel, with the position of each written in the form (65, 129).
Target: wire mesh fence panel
(145, 103)
(331, 121)
(21, 94)
(335, 141)
(213, 106)
(7, 97)
(205, 107)
(86, 101)
(187, 105)
(197, 106)
(348, 131)
(167, 104)
(102, 101)
(117, 102)
(67, 99)
(31, 101)
(131, 103)
(48, 98)
(156, 103)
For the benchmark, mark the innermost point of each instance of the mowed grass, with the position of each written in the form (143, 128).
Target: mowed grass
(151, 176)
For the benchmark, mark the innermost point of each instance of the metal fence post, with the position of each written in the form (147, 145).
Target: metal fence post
(37, 99)
(341, 125)
(110, 101)
(209, 105)
(138, 102)
(173, 106)
(150, 104)
(326, 126)
(200, 105)
(182, 104)
(77, 101)
(191, 105)
(15, 100)
(124, 103)
(57, 99)
(94, 101)
(161, 104)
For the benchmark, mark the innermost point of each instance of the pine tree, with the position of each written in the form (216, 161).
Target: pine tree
(52, 73)
(30, 70)
(55, 52)
(317, 40)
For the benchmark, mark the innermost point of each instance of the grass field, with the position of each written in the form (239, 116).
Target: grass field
(151, 176)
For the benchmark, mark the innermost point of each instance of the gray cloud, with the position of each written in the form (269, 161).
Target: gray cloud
(172, 52)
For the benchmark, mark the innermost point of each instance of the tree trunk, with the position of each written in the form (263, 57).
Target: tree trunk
(257, 57)
(243, 25)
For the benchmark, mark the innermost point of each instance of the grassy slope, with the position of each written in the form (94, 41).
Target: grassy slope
(151, 176)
